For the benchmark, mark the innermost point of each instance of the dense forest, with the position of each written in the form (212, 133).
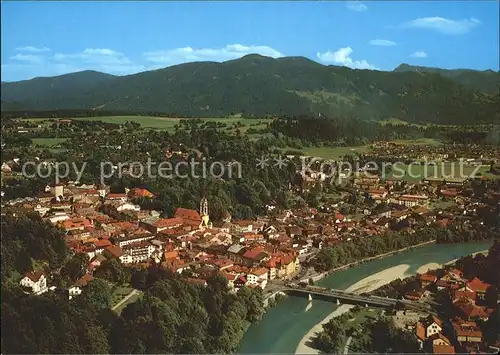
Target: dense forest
(346, 252)
(260, 86)
(172, 317)
(484, 81)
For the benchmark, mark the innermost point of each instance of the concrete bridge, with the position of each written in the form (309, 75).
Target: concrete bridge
(341, 296)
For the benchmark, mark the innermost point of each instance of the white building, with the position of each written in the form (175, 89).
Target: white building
(34, 282)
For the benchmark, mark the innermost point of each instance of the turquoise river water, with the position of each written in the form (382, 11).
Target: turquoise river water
(283, 326)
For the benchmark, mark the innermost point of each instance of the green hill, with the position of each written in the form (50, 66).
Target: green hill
(48, 92)
(257, 85)
(486, 81)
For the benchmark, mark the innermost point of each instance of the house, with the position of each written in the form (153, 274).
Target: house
(412, 200)
(97, 261)
(441, 344)
(282, 265)
(469, 311)
(258, 276)
(136, 193)
(117, 196)
(467, 332)
(420, 334)
(433, 325)
(127, 206)
(478, 286)
(34, 283)
(235, 253)
(243, 226)
(189, 217)
(231, 277)
(414, 295)
(240, 282)
(137, 252)
(255, 256)
(161, 224)
(427, 279)
(77, 287)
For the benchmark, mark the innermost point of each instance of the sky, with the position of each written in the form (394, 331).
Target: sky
(42, 38)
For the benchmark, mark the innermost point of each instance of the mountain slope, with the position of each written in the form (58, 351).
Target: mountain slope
(48, 91)
(486, 81)
(256, 85)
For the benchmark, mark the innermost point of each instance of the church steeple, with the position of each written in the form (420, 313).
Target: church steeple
(204, 211)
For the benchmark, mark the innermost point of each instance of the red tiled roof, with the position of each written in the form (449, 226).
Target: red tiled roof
(469, 329)
(34, 276)
(102, 243)
(253, 253)
(260, 271)
(228, 276)
(137, 192)
(477, 285)
(84, 280)
(427, 277)
(171, 254)
(470, 310)
(112, 196)
(443, 349)
(168, 222)
(433, 319)
(470, 295)
(188, 216)
(114, 250)
(420, 331)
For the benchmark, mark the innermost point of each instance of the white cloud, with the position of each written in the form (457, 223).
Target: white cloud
(443, 25)
(101, 59)
(33, 49)
(343, 57)
(418, 54)
(355, 5)
(189, 54)
(382, 42)
(28, 65)
(27, 58)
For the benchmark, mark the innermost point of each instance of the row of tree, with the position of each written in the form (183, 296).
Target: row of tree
(362, 247)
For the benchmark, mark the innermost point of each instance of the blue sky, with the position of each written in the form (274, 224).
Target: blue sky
(52, 38)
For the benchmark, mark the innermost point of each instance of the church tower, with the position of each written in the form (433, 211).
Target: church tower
(204, 212)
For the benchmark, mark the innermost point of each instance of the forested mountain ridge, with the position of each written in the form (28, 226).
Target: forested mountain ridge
(259, 86)
(485, 81)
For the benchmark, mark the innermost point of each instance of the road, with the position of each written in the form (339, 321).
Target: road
(127, 297)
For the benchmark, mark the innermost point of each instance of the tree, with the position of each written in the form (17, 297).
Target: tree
(97, 292)
(112, 270)
(76, 267)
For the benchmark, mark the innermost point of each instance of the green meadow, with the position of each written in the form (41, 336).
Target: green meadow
(164, 123)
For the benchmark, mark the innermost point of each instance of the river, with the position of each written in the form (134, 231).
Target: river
(283, 326)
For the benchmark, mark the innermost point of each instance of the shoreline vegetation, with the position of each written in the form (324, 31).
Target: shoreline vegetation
(366, 260)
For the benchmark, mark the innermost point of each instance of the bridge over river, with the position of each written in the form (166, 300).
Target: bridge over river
(341, 296)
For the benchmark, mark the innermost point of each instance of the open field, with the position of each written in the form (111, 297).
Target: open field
(133, 297)
(333, 152)
(164, 123)
(49, 142)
